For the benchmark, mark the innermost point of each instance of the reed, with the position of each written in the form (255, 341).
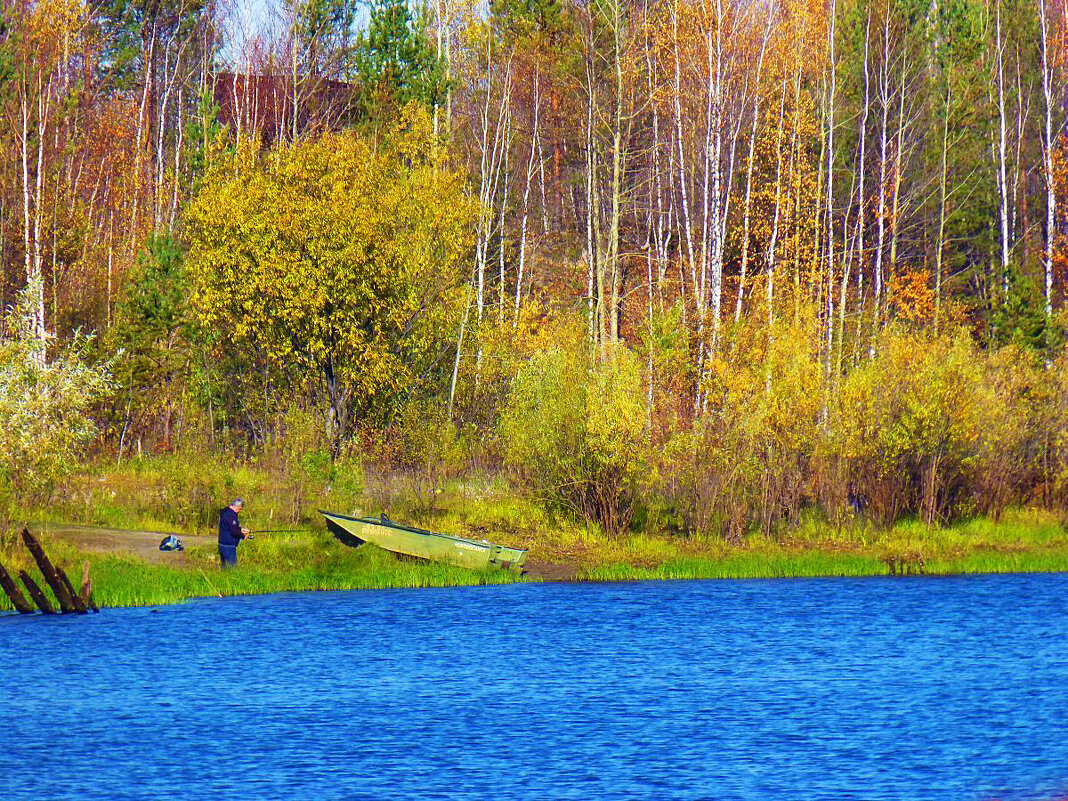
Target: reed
(999, 562)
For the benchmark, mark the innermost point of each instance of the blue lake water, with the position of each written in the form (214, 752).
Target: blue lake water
(925, 688)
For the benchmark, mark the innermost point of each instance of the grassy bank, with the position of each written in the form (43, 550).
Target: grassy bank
(1022, 541)
(168, 495)
(313, 561)
(127, 582)
(798, 562)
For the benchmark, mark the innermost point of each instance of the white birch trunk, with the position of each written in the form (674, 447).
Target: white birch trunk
(881, 216)
(862, 197)
(618, 167)
(899, 167)
(773, 239)
(594, 268)
(746, 208)
(1047, 162)
(830, 193)
(683, 194)
(531, 163)
(1002, 181)
(940, 244)
(501, 216)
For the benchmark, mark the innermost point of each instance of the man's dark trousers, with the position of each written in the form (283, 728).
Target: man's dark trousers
(228, 555)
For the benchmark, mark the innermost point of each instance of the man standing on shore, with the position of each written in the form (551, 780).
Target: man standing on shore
(231, 533)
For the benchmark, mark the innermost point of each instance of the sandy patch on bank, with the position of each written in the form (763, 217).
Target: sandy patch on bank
(549, 571)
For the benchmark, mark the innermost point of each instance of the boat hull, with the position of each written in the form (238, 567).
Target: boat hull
(390, 536)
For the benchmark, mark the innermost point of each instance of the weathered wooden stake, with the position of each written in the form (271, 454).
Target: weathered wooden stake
(20, 603)
(63, 595)
(35, 593)
(79, 607)
(69, 600)
(86, 592)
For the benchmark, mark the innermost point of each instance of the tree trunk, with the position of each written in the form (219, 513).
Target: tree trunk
(940, 244)
(1047, 164)
(1002, 180)
(526, 197)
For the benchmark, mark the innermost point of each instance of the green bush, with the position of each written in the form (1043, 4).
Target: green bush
(746, 459)
(573, 432)
(158, 344)
(425, 449)
(45, 406)
(190, 492)
(1055, 454)
(907, 426)
(1014, 426)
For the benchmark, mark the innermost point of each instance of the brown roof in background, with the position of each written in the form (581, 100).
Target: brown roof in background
(264, 103)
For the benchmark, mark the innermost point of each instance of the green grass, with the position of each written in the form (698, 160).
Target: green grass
(995, 562)
(184, 494)
(299, 563)
(745, 565)
(816, 564)
(1022, 541)
(126, 582)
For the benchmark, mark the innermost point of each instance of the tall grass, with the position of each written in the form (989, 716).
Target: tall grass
(813, 564)
(185, 492)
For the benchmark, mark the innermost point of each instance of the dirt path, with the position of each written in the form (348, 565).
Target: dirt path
(142, 544)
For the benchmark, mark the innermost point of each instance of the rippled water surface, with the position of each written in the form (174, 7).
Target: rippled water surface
(839, 688)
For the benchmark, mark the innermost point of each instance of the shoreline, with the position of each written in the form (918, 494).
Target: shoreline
(129, 570)
(538, 578)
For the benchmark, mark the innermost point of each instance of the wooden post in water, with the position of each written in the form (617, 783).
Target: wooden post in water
(69, 600)
(86, 592)
(48, 570)
(79, 607)
(35, 593)
(23, 606)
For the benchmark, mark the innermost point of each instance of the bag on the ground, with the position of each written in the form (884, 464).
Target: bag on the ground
(171, 543)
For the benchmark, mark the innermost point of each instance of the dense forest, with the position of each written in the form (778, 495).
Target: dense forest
(707, 264)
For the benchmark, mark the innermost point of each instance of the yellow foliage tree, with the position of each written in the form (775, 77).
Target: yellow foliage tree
(338, 260)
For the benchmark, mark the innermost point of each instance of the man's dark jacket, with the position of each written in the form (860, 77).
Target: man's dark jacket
(229, 528)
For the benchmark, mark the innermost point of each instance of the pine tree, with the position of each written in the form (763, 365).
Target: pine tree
(396, 62)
